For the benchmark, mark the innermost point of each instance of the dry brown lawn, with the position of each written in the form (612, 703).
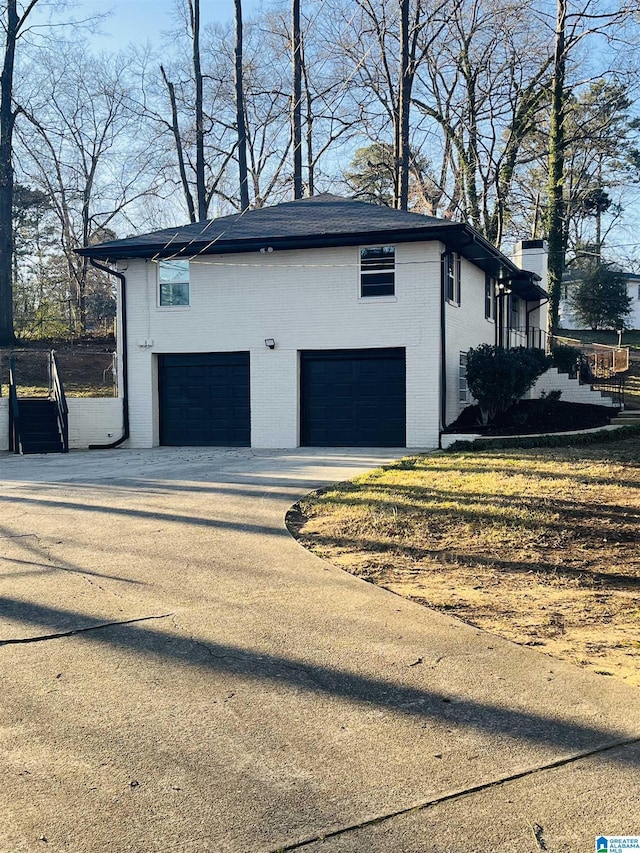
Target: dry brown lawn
(538, 546)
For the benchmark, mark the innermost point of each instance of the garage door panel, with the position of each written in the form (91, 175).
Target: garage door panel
(195, 372)
(204, 399)
(353, 398)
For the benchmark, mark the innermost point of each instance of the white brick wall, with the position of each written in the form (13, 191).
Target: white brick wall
(304, 300)
(93, 420)
(4, 423)
(466, 327)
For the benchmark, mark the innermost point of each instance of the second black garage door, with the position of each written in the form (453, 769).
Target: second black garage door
(204, 399)
(353, 398)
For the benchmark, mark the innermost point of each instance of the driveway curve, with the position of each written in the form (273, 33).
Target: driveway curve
(178, 674)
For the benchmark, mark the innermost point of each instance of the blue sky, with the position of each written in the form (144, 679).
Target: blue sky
(141, 20)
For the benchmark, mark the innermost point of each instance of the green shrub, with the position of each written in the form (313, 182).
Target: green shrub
(566, 358)
(498, 377)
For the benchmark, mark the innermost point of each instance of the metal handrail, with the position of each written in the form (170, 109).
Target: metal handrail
(56, 392)
(612, 386)
(535, 337)
(14, 409)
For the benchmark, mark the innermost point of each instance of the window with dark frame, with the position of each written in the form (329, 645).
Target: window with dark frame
(515, 312)
(451, 270)
(489, 298)
(173, 284)
(463, 388)
(378, 271)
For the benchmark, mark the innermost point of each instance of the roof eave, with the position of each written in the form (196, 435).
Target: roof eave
(454, 235)
(192, 249)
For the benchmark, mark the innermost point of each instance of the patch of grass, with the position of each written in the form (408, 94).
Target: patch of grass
(539, 545)
(73, 390)
(630, 338)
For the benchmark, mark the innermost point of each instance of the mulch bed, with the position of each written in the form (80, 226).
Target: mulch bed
(534, 416)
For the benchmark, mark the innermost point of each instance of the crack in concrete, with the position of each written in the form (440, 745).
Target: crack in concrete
(20, 536)
(538, 834)
(455, 795)
(296, 668)
(42, 638)
(248, 656)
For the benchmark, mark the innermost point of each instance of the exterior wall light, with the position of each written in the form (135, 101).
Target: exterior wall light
(270, 343)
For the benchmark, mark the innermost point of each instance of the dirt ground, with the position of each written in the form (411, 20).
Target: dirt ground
(598, 631)
(544, 557)
(86, 368)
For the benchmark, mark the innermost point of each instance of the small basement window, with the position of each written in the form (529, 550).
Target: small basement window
(463, 388)
(378, 271)
(173, 283)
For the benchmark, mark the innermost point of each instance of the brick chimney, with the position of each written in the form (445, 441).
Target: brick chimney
(532, 255)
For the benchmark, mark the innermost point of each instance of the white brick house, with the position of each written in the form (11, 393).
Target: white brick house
(568, 319)
(317, 322)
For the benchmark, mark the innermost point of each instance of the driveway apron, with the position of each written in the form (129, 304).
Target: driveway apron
(178, 674)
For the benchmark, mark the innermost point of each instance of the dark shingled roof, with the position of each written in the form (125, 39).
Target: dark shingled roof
(321, 221)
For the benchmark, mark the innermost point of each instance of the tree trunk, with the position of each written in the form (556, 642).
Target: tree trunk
(194, 9)
(556, 204)
(7, 121)
(240, 116)
(309, 134)
(296, 99)
(404, 105)
(175, 129)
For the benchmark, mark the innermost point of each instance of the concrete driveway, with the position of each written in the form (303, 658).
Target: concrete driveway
(178, 674)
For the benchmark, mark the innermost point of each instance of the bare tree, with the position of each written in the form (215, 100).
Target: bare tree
(485, 109)
(296, 98)
(555, 190)
(194, 19)
(380, 33)
(81, 148)
(202, 114)
(174, 126)
(325, 114)
(13, 25)
(240, 114)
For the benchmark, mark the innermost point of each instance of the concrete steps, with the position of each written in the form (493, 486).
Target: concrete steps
(627, 417)
(39, 431)
(572, 390)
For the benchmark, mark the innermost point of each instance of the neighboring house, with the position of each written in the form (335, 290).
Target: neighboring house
(569, 321)
(319, 322)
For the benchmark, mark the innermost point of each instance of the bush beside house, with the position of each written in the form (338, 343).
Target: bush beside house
(498, 378)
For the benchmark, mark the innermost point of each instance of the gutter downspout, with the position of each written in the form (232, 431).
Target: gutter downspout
(531, 310)
(125, 372)
(443, 357)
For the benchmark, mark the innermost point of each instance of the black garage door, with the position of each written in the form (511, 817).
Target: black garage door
(204, 399)
(353, 398)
